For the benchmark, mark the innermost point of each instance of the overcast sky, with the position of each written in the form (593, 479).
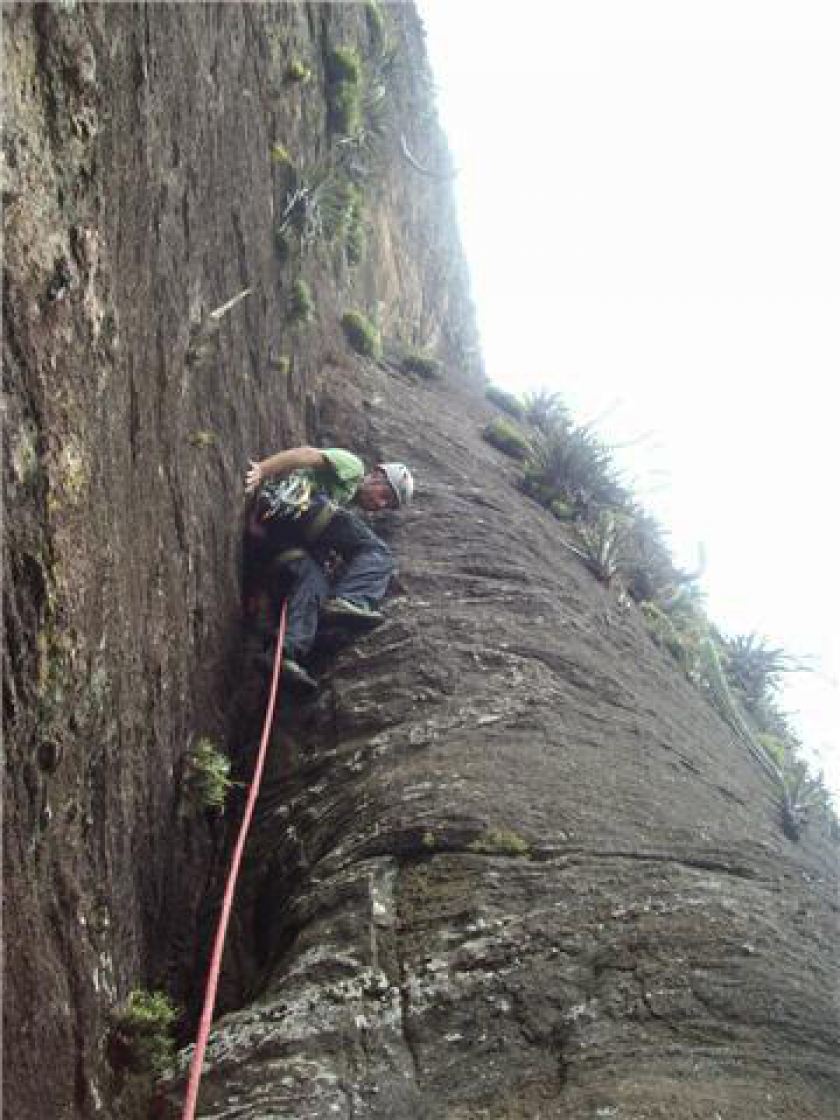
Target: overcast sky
(650, 203)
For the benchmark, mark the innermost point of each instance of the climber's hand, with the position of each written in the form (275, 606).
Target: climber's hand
(253, 477)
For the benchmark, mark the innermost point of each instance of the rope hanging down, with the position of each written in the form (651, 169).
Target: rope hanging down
(230, 887)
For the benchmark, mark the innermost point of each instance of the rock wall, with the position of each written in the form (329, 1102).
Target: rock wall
(509, 863)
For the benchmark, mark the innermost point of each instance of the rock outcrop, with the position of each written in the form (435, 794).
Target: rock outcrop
(509, 863)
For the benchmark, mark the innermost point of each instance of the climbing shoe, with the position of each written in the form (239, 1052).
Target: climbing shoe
(295, 675)
(342, 610)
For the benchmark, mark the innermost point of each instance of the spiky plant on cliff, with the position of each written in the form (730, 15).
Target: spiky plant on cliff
(507, 402)
(574, 464)
(799, 792)
(754, 668)
(546, 411)
(600, 544)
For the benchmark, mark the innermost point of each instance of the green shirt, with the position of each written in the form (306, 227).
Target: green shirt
(342, 478)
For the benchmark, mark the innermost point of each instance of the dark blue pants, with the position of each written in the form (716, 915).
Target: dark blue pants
(365, 569)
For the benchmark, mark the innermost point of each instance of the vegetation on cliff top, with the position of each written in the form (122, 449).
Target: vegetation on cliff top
(570, 471)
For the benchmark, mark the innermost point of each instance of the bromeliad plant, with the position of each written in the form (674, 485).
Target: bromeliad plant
(573, 464)
(546, 412)
(799, 792)
(754, 668)
(600, 542)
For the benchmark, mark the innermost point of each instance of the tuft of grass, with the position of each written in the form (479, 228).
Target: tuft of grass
(143, 1027)
(361, 334)
(341, 208)
(343, 65)
(355, 243)
(345, 109)
(280, 155)
(297, 71)
(281, 365)
(501, 842)
(424, 365)
(344, 91)
(203, 439)
(376, 23)
(504, 437)
(507, 402)
(301, 306)
(207, 775)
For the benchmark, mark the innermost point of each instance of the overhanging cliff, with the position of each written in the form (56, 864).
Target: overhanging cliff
(510, 862)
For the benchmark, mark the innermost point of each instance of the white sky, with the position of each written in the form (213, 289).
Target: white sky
(649, 198)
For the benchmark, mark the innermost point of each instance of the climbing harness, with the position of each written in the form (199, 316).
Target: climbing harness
(230, 887)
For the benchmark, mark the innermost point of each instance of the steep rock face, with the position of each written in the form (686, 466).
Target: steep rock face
(509, 863)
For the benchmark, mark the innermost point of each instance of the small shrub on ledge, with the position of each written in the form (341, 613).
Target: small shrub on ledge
(143, 1032)
(424, 365)
(207, 775)
(297, 71)
(504, 437)
(344, 91)
(301, 305)
(355, 244)
(343, 65)
(376, 23)
(280, 156)
(361, 334)
(507, 402)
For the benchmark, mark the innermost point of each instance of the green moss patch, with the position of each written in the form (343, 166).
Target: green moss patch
(424, 365)
(344, 91)
(500, 842)
(301, 305)
(361, 334)
(507, 402)
(504, 437)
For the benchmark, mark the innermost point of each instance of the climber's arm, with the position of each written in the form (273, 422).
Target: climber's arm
(283, 463)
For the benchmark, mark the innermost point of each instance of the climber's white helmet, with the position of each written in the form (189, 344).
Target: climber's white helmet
(399, 479)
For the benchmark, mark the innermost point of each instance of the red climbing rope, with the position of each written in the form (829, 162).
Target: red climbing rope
(230, 887)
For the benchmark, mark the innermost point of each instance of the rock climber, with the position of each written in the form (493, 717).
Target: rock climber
(298, 526)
